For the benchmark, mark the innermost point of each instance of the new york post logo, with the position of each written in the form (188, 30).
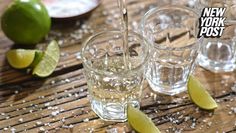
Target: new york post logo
(211, 22)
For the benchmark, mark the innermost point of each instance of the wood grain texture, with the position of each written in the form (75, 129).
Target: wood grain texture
(29, 104)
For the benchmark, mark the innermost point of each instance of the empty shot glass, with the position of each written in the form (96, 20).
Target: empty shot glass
(114, 78)
(172, 34)
(219, 54)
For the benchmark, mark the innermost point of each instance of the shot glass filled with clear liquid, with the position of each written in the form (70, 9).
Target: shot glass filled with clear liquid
(114, 78)
(172, 35)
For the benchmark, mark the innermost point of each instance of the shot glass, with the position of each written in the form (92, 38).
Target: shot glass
(171, 32)
(219, 54)
(114, 77)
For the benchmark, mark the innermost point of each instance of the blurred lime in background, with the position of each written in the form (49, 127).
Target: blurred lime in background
(26, 22)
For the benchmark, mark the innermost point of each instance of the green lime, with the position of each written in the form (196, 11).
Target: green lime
(49, 60)
(26, 21)
(140, 122)
(199, 95)
(20, 58)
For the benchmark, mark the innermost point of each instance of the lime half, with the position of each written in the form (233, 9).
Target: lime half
(140, 122)
(199, 95)
(20, 58)
(49, 60)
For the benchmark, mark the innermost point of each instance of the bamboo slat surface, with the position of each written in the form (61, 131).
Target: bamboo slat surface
(59, 103)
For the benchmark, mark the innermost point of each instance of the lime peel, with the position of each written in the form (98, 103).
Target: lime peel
(199, 95)
(140, 122)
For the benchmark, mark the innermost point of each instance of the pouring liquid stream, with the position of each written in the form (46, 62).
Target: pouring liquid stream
(124, 13)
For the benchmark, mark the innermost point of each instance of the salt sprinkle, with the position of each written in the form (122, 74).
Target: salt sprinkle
(193, 125)
(41, 129)
(40, 97)
(2, 114)
(47, 124)
(13, 130)
(47, 104)
(71, 126)
(54, 113)
(234, 110)
(186, 118)
(52, 82)
(63, 119)
(234, 88)
(16, 92)
(112, 130)
(209, 124)
(67, 80)
(210, 114)
(38, 123)
(69, 95)
(86, 120)
(76, 95)
(178, 131)
(21, 120)
(5, 129)
(60, 42)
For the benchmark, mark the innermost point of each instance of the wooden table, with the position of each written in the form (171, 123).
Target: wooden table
(59, 103)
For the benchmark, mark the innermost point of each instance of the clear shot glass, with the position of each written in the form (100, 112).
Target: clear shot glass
(219, 54)
(171, 32)
(114, 78)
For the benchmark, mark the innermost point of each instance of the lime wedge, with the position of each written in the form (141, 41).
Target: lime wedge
(199, 95)
(49, 60)
(140, 122)
(20, 58)
(37, 58)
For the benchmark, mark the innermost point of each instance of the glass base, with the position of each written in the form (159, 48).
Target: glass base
(216, 66)
(111, 111)
(167, 90)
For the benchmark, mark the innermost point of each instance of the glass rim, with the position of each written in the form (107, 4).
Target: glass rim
(123, 73)
(171, 7)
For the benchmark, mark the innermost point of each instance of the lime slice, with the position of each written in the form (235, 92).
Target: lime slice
(20, 58)
(49, 61)
(140, 122)
(199, 95)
